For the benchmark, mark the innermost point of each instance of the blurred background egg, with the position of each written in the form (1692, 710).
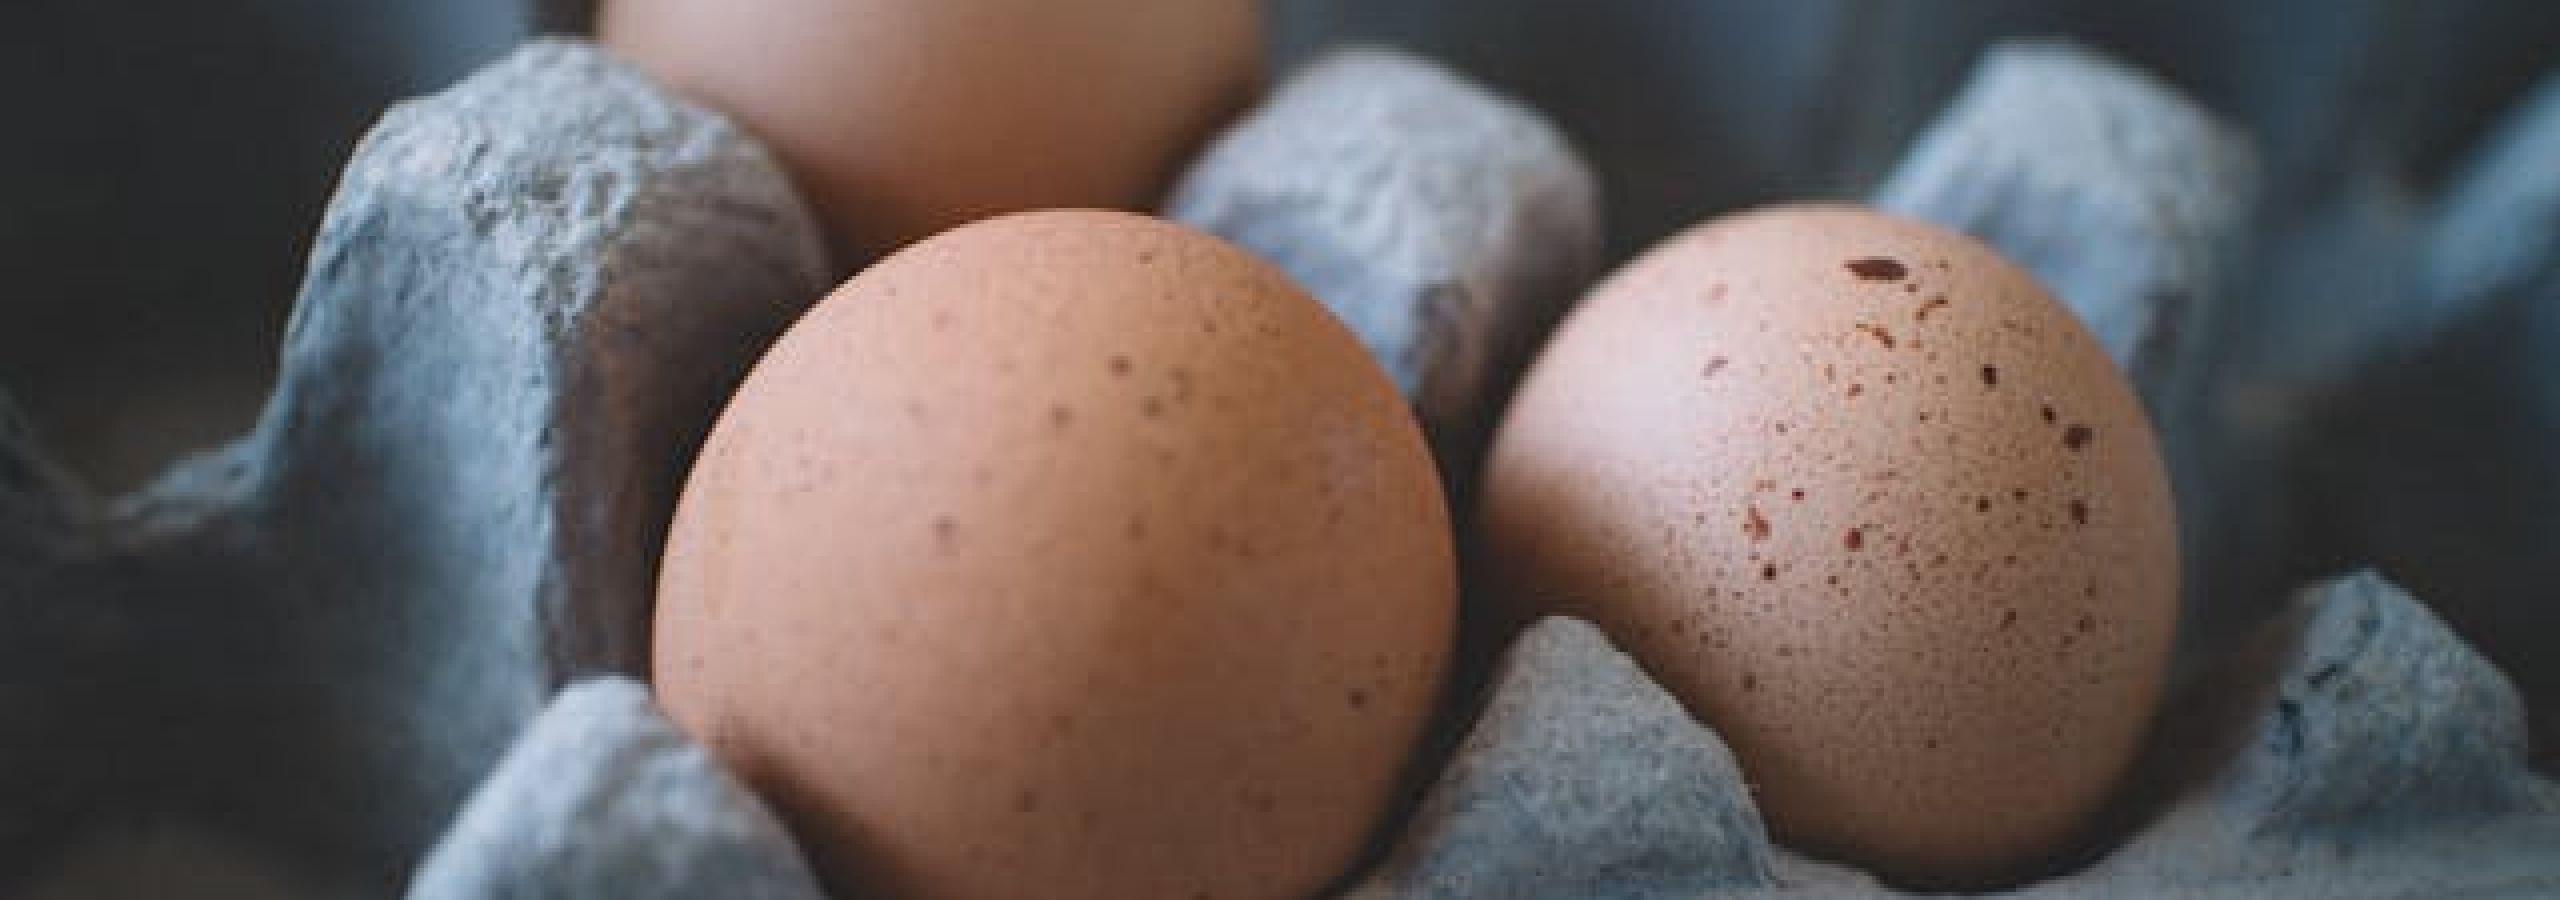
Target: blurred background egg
(901, 118)
(1874, 506)
(1075, 553)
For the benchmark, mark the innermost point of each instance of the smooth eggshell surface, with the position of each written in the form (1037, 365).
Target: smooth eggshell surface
(900, 118)
(1874, 506)
(1072, 554)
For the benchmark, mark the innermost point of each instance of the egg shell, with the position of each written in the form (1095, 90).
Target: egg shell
(1075, 550)
(900, 118)
(1873, 505)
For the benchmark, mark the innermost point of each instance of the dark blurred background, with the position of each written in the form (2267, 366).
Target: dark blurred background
(163, 170)
(1695, 107)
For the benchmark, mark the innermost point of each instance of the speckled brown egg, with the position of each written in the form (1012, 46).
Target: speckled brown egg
(1874, 506)
(900, 118)
(1075, 554)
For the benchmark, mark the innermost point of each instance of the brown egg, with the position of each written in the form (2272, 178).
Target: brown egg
(904, 117)
(1069, 554)
(1874, 506)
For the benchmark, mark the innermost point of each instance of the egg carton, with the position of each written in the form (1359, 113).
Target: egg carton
(387, 641)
